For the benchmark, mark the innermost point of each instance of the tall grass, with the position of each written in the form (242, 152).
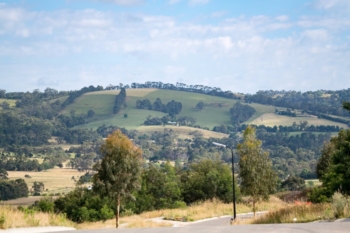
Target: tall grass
(299, 213)
(11, 217)
(210, 209)
(340, 205)
(338, 208)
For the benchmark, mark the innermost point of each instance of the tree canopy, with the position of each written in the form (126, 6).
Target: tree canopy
(118, 173)
(258, 179)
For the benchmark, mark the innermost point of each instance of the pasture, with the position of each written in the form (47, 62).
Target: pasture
(216, 110)
(271, 119)
(11, 102)
(183, 131)
(56, 180)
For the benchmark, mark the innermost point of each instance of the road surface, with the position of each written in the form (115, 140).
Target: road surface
(342, 226)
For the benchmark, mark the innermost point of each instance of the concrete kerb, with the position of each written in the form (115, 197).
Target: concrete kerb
(37, 229)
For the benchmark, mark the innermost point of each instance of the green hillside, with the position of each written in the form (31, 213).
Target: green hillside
(216, 110)
(215, 113)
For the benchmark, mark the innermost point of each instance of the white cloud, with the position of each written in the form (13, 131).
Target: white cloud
(331, 4)
(317, 34)
(171, 2)
(88, 45)
(282, 18)
(198, 2)
(122, 2)
(218, 14)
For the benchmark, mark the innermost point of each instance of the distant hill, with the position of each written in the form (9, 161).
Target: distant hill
(215, 113)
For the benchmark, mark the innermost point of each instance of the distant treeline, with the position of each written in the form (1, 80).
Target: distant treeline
(240, 113)
(75, 94)
(119, 101)
(317, 102)
(172, 108)
(296, 128)
(190, 88)
(13, 189)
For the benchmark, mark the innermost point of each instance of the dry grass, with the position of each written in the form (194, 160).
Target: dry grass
(198, 211)
(299, 213)
(210, 209)
(11, 217)
(182, 130)
(23, 201)
(55, 180)
(130, 92)
(134, 221)
(271, 119)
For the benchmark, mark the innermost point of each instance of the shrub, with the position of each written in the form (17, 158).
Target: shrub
(27, 176)
(340, 205)
(2, 220)
(45, 204)
(318, 195)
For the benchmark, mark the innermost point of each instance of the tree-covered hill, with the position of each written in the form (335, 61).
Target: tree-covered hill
(292, 133)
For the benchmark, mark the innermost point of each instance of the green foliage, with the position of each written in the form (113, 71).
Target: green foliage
(90, 113)
(318, 195)
(37, 188)
(2, 220)
(200, 105)
(293, 183)
(45, 204)
(346, 105)
(160, 189)
(119, 101)
(13, 189)
(208, 179)
(86, 178)
(333, 166)
(240, 113)
(118, 173)
(258, 179)
(82, 205)
(340, 205)
(3, 174)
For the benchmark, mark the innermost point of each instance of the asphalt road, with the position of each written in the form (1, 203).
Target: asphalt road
(316, 227)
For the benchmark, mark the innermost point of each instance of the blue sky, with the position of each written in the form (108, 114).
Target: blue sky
(242, 46)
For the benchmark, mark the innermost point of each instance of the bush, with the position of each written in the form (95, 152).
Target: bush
(27, 176)
(340, 205)
(107, 213)
(45, 204)
(318, 195)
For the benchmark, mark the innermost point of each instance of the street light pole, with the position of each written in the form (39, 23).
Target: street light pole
(233, 180)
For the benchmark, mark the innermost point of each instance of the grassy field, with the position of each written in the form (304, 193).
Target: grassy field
(12, 103)
(183, 131)
(56, 180)
(216, 110)
(215, 113)
(271, 119)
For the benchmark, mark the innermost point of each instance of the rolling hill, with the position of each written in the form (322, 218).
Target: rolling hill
(216, 110)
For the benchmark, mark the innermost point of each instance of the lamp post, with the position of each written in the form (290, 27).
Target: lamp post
(233, 180)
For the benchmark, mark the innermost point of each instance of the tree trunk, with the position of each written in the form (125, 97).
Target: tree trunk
(117, 212)
(254, 210)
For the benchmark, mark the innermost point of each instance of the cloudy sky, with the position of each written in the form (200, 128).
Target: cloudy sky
(242, 46)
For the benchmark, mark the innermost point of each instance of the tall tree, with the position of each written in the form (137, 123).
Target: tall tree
(333, 167)
(258, 179)
(346, 105)
(119, 171)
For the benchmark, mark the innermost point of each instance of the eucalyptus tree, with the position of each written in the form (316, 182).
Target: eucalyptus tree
(119, 171)
(258, 179)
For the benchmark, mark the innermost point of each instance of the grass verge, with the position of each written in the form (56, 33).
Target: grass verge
(299, 213)
(11, 217)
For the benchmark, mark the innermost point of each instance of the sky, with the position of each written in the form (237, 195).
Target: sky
(240, 46)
